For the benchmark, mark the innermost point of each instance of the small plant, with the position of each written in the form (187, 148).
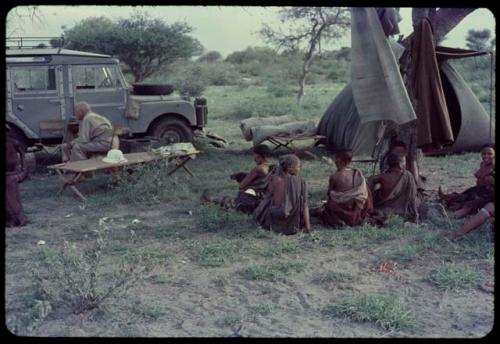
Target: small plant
(73, 278)
(454, 277)
(387, 311)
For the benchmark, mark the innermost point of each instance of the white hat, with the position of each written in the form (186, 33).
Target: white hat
(251, 192)
(114, 156)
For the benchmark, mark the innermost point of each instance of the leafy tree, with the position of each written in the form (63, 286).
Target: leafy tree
(478, 39)
(307, 28)
(143, 43)
(210, 57)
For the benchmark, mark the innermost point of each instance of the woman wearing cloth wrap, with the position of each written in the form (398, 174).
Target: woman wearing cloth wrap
(285, 206)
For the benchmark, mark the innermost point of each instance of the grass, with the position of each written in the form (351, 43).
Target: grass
(214, 218)
(387, 311)
(454, 277)
(405, 254)
(335, 277)
(215, 253)
(278, 272)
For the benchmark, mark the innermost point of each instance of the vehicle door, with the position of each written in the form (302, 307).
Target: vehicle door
(35, 100)
(100, 86)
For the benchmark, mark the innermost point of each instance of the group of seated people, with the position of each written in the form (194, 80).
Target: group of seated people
(277, 196)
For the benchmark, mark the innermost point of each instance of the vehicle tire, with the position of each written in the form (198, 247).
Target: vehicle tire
(152, 89)
(171, 130)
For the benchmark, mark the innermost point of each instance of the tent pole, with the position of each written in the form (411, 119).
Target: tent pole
(491, 91)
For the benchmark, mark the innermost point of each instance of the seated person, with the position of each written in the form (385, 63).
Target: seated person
(397, 192)
(95, 135)
(252, 185)
(14, 174)
(478, 196)
(348, 198)
(396, 147)
(485, 213)
(285, 206)
(400, 148)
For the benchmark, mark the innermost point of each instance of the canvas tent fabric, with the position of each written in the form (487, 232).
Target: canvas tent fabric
(292, 129)
(247, 124)
(433, 119)
(377, 85)
(343, 125)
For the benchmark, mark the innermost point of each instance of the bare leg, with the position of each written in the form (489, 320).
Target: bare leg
(460, 213)
(473, 223)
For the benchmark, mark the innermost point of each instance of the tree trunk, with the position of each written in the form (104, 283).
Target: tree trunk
(302, 83)
(443, 20)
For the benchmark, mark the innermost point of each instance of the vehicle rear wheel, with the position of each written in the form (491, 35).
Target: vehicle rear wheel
(172, 130)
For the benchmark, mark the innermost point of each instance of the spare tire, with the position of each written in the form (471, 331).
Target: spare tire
(152, 89)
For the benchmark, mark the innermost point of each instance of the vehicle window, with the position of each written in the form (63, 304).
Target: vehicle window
(33, 79)
(91, 77)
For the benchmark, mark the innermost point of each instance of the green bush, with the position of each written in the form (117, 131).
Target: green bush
(279, 88)
(74, 277)
(263, 107)
(191, 83)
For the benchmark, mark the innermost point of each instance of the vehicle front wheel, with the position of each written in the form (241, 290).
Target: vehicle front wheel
(172, 130)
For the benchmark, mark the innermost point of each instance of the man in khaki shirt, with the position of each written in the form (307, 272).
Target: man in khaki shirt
(95, 135)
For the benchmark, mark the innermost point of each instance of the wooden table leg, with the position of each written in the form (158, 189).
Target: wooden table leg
(182, 164)
(71, 183)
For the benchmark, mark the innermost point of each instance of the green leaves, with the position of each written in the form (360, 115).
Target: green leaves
(143, 43)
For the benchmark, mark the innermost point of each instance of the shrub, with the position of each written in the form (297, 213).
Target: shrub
(263, 107)
(73, 277)
(278, 88)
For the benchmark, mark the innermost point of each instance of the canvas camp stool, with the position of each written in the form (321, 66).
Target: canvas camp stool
(287, 141)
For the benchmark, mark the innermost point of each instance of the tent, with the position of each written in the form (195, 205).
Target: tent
(448, 116)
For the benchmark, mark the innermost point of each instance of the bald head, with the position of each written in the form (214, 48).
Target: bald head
(81, 109)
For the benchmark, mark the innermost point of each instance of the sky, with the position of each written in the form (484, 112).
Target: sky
(221, 28)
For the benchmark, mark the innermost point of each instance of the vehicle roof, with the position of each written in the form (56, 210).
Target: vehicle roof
(51, 51)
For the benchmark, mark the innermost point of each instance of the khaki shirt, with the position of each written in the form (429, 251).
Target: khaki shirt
(94, 128)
